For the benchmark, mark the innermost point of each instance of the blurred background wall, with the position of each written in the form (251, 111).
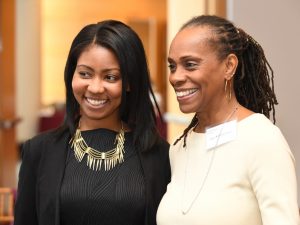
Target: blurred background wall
(275, 25)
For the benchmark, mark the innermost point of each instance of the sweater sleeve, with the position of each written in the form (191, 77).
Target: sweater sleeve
(273, 178)
(25, 208)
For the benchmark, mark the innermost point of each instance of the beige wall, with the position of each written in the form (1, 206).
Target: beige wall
(275, 25)
(27, 66)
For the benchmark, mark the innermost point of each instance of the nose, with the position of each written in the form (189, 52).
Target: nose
(96, 85)
(177, 77)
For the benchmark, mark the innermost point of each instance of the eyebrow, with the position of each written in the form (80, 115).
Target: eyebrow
(88, 67)
(170, 59)
(183, 58)
(104, 70)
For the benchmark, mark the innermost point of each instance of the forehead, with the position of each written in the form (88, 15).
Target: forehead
(98, 53)
(191, 40)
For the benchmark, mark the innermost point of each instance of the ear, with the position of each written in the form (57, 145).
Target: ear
(231, 63)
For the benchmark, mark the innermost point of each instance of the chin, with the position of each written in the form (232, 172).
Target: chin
(186, 110)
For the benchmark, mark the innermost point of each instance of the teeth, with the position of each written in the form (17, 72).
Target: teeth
(95, 102)
(185, 93)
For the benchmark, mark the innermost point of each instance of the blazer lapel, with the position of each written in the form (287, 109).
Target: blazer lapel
(52, 171)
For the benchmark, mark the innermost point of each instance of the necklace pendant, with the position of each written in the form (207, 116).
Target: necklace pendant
(87, 150)
(96, 158)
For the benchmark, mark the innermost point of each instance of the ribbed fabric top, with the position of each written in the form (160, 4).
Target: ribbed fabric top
(113, 197)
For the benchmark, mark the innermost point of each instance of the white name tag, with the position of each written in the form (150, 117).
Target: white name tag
(220, 134)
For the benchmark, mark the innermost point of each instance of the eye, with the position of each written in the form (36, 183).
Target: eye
(111, 77)
(172, 67)
(84, 74)
(190, 65)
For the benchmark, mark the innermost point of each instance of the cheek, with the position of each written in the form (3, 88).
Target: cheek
(170, 79)
(76, 84)
(118, 91)
(76, 87)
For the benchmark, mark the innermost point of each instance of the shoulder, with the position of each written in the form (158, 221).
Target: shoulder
(156, 163)
(46, 138)
(161, 147)
(162, 144)
(260, 127)
(263, 137)
(158, 152)
(34, 147)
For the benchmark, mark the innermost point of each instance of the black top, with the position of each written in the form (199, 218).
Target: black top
(113, 197)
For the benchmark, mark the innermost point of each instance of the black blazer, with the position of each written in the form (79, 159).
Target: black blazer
(42, 169)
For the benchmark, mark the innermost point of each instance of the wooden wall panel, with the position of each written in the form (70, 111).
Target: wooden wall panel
(8, 147)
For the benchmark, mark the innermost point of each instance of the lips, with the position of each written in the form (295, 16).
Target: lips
(96, 102)
(185, 93)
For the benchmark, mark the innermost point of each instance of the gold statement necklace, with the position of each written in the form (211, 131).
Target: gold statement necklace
(96, 158)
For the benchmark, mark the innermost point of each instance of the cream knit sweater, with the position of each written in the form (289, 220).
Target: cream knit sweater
(251, 181)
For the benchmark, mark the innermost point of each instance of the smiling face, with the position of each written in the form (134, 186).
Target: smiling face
(97, 87)
(196, 73)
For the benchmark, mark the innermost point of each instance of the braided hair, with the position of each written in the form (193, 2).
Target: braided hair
(254, 78)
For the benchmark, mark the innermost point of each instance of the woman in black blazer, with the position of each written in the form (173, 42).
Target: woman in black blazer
(107, 163)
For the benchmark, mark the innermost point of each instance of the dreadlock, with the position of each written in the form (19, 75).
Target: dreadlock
(254, 78)
(186, 130)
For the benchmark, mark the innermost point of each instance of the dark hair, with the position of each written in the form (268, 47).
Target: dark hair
(253, 79)
(136, 108)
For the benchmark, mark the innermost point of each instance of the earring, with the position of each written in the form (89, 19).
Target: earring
(225, 86)
(228, 96)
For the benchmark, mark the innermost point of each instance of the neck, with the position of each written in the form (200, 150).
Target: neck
(216, 116)
(89, 124)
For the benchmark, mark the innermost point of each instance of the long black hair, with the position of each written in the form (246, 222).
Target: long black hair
(136, 108)
(253, 79)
